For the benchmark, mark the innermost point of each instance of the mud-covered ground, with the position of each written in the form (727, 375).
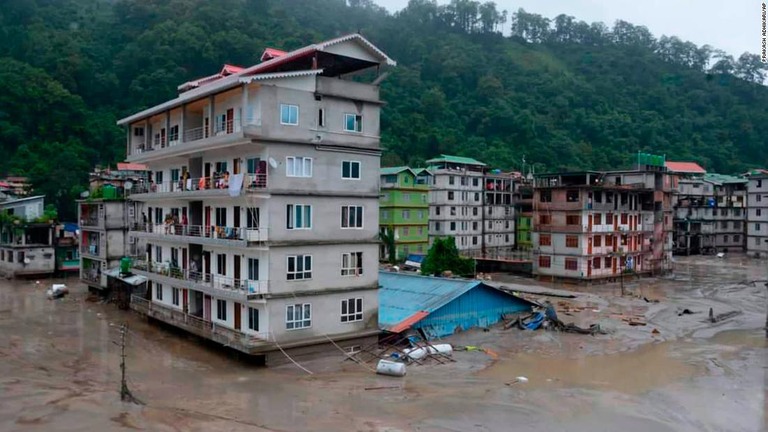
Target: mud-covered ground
(59, 369)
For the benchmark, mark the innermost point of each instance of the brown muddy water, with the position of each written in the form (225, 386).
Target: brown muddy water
(59, 370)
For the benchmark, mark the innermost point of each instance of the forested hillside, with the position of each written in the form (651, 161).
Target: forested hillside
(472, 80)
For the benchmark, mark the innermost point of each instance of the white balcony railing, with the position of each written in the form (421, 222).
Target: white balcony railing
(196, 134)
(205, 231)
(214, 281)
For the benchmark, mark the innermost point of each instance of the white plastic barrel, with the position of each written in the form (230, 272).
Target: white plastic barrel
(386, 367)
(420, 353)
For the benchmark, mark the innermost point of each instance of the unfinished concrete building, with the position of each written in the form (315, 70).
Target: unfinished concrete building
(757, 216)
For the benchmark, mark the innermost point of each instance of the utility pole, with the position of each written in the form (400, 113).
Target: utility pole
(125, 393)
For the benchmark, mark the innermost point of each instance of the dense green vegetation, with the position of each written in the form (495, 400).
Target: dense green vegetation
(496, 85)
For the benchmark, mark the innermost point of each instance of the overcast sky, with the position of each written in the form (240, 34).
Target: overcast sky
(730, 25)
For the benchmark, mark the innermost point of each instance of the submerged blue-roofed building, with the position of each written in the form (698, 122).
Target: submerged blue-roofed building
(442, 306)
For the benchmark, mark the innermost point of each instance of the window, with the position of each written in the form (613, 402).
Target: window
(253, 319)
(352, 264)
(474, 240)
(253, 269)
(406, 231)
(298, 216)
(597, 241)
(609, 218)
(424, 198)
(737, 212)
(725, 239)
(453, 211)
(759, 183)
(571, 241)
(723, 224)
(737, 238)
(158, 253)
(252, 217)
(545, 261)
(299, 267)
(757, 241)
(221, 264)
(406, 197)
(453, 226)
(545, 240)
(420, 214)
(477, 197)
(450, 195)
(353, 123)
(758, 212)
(221, 167)
(321, 117)
(572, 220)
(138, 131)
(352, 310)
(298, 316)
(545, 219)
(173, 133)
(474, 211)
(624, 218)
(352, 216)
(757, 227)
(596, 263)
(406, 214)
(159, 291)
(609, 240)
(175, 296)
(289, 114)
(252, 165)
(437, 226)
(298, 166)
(759, 198)
(598, 219)
(221, 310)
(571, 264)
(158, 177)
(474, 226)
(451, 180)
(598, 196)
(350, 170)
(421, 231)
(572, 195)
(385, 214)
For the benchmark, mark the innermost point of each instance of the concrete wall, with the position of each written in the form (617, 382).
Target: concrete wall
(35, 261)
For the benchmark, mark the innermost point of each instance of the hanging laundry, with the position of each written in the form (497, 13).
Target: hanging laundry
(235, 184)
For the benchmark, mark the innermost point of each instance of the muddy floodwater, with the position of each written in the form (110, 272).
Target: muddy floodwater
(59, 368)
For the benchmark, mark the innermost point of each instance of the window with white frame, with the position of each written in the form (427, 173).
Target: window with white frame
(158, 253)
(298, 316)
(173, 133)
(406, 214)
(298, 216)
(221, 310)
(321, 117)
(298, 166)
(352, 264)
(221, 264)
(352, 310)
(253, 319)
(138, 131)
(175, 294)
(299, 267)
(289, 114)
(351, 216)
(253, 269)
(353, 122)
(350, 170)
(159, 291)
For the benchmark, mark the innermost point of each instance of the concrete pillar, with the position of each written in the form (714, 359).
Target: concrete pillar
(244, 111)
(211, 119)
(167, 128)
(128, 139)
(182, 122)
(147, 135)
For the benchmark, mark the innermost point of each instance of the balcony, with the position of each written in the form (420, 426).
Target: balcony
(216, 285)
(198, 138)
(197, 325)
(559, 206)
(201, 234)
(197, 188)
(91, 250)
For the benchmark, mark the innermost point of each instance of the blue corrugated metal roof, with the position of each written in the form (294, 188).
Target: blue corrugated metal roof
(401, 296)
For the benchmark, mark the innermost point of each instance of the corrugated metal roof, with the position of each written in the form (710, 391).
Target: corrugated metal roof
(402, 296)
(455, 159)
(720, 179)
(127, 166)
(685, 167)
(394, 170)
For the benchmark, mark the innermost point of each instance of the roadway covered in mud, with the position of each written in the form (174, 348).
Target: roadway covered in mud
(59, 369)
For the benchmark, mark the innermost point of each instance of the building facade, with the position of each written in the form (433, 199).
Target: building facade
(757, 214)
(598, 225)
(27, 241)
(404, 210)
(262, 211)
(472, 205)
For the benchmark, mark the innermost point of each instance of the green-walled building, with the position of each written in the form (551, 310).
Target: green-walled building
(404, 209)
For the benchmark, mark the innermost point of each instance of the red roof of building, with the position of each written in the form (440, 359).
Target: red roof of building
(408, 322)
(685, 167)
(229, 69)
(125, 166)
(271, 53)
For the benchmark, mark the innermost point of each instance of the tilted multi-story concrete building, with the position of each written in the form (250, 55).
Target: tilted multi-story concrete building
(263, 208)
(473, 205)
(596, 225)
(757, 214)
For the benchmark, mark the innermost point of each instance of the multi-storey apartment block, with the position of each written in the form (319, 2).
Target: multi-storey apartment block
(27, 242)
(523, 199)
(262, 213)
(404, 209)
(597, 225)
(104, 219)
(757, 214)
(710, 214)
(472, 205)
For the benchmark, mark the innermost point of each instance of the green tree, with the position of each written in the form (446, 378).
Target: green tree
(443, 256)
